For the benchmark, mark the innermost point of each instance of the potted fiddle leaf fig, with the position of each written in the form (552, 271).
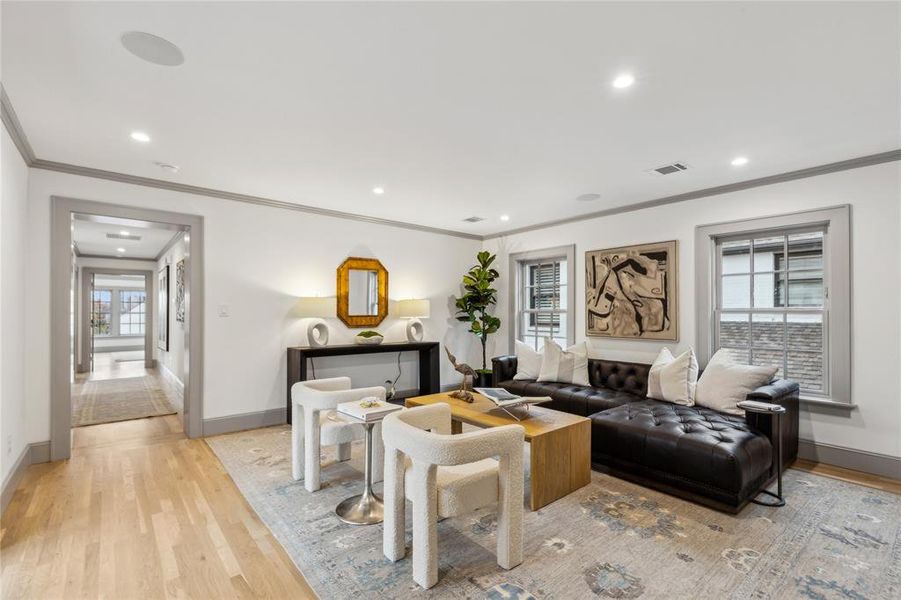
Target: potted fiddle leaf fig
(473, 307)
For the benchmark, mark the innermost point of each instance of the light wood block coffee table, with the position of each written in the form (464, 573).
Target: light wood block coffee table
(561, 442)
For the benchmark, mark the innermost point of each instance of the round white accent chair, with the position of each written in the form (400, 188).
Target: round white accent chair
(315, 423)
(446, 475)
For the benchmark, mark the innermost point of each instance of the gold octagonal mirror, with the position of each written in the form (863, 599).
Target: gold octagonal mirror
(362, 292)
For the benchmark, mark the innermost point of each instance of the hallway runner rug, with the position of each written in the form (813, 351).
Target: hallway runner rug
(111, 400)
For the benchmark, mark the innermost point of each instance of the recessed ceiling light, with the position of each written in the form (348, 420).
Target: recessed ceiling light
(588, 197)
(120, 249)
(125, 233)
(505, 217)
(378, 191)
(739, 161)
(623, 80)
(140, 136)
(152, 48)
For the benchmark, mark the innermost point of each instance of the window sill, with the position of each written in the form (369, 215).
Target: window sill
(826, 402)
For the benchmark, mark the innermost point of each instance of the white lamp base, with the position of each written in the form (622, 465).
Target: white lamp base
(414, 330)
(317, 333)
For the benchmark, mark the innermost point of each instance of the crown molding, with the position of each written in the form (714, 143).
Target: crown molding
(14, 127)
(59, 167)
(843, 165)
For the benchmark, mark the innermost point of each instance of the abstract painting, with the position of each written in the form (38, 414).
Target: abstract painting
(180, 291)
(631, 292)
(162, 337)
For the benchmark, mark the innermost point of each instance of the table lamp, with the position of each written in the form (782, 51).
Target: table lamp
(316, 309)
(413, 310)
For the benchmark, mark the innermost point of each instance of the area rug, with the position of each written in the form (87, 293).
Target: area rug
(111, 400)
(611, 539)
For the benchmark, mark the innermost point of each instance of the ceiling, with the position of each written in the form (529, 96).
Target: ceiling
(457, 110)
(146, 240)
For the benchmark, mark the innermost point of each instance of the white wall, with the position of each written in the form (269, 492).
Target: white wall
(874, 194)
(173, 359)
(259, 260)
(13, 251)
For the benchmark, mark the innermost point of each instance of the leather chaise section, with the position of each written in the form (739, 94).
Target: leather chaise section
(693, 443)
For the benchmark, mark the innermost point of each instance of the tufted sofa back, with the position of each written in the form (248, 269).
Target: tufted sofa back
(628, 377)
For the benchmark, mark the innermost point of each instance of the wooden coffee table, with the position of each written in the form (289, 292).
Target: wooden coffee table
(561, 442)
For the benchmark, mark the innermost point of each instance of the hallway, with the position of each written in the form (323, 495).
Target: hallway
(120, 391)
(139, 511)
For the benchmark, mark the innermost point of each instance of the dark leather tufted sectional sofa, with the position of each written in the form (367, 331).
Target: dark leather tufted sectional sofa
(709, 457)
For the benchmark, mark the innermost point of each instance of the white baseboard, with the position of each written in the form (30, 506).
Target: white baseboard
(32, 454)
(173, 380)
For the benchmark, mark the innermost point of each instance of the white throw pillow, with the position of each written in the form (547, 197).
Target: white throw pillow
(564, 366)
(674, 379)
(726, 383)
(528, 362)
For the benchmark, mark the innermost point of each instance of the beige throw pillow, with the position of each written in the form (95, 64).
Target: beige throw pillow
(674, 379)
(726, 383)
(564, 366)
(528, 362)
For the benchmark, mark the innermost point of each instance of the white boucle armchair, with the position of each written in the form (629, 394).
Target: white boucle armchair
(314, 423)
(446, 475)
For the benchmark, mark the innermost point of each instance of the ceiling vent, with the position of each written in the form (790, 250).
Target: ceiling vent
(119, 236)
(473, 219)
(670, 169)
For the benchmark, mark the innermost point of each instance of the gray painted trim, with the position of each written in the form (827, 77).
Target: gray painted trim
(48, 165)
(32, 454)
(175, 239)
(848, 458)
(60, 281)
(39, 452)
(14, 127)
(240, 422)
(843, 165)
(569, 251)
(110, 256)
(84, 317)
(19, 137)
(838, 284)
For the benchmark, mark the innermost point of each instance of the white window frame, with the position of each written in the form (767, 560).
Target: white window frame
(517, 262)
(836, 222)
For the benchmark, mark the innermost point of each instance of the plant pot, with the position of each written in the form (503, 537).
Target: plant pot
(369, 341)
(484, 379)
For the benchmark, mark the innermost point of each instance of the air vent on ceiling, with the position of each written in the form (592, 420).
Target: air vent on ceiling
(119, 236)
(474, 219)
(670, 169)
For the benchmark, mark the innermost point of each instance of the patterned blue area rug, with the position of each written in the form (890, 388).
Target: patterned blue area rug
(611, 539)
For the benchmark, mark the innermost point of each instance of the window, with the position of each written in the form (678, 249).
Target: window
(118, 312)
(771, 306)
(102, 311)
(777, 292)
(132, 312)
(542, 296)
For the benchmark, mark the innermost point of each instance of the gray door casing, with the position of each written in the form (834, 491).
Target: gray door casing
(62, 210)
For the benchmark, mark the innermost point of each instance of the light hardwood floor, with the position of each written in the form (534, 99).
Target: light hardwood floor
(139, 511)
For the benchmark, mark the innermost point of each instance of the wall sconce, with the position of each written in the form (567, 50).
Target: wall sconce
(316, 309)
(414, 310)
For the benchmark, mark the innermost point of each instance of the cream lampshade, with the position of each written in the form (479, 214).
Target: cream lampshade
(414, 310)
(316, 308)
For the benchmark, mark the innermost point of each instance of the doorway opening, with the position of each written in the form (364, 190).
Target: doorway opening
(126, 287)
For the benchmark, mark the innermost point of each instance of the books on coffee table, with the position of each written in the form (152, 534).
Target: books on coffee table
(504, 399)
(368, 409)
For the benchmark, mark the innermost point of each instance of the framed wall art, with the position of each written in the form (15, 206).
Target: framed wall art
(632, 292)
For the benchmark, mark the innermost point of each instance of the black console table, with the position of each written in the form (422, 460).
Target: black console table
(429, 370)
